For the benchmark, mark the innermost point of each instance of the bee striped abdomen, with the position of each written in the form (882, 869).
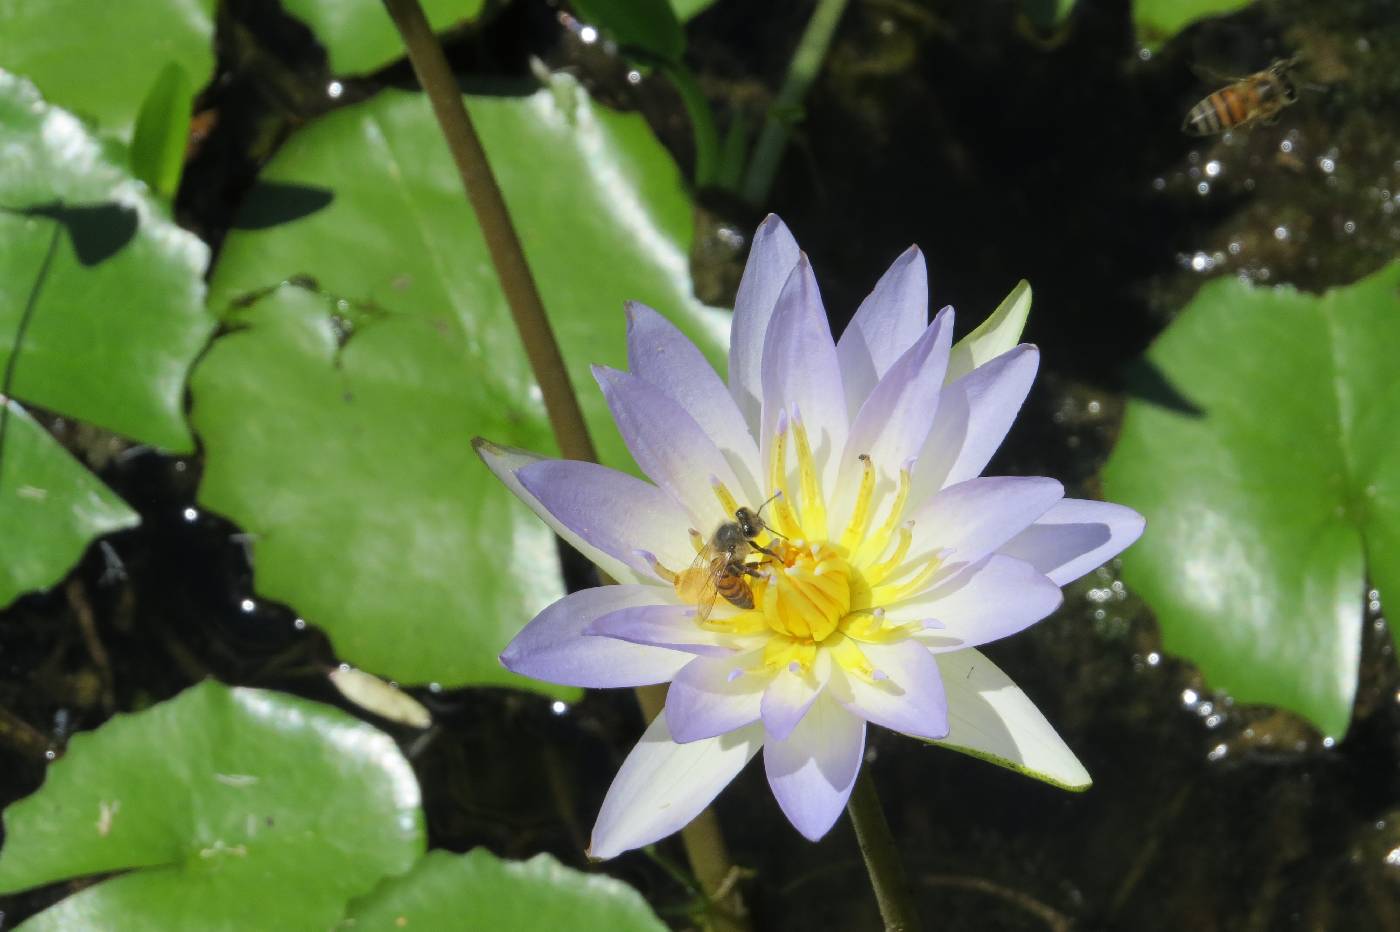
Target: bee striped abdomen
(735, 590)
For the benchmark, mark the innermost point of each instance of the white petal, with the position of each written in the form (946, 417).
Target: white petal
(909, 697)
(996, 335)
(813, 771)
(553, 647)
(989, 717)
(787, 699)
(707, 698)
(673, 450)
(663, 785)
(1076, 536)
(972, 519)
(887, 323)
(665, 357)
(974, 414)
(801, 375)
(994, 598)
(505, 462)
(771, 260)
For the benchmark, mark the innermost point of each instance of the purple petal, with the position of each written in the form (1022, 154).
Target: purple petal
(994, 598)
(707, 699)
(800, 373)
(553, 647)
(895, 419)
(663, 785)
(887, 323)
(661, 354)
(612, 512)
(669, 446)
(974, 414)
(813, 770)
(1075, 537)
(506, 463)
(787, 699)
(974, 518)
(672, 626)
(771, 260)
(907, 698)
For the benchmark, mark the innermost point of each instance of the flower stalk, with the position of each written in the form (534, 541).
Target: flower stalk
(882, 861)
(704, 843)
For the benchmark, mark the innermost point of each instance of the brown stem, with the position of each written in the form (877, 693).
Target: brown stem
(882, 861)
(703, 841)
(518, 285)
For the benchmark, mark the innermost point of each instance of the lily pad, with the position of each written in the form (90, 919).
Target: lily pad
(478, 890)
(359, 36)
(99, 59)
(50, 505)
(226, 808)
(120, 315)
(1159, 20)
(352, 465)
(1275, 493)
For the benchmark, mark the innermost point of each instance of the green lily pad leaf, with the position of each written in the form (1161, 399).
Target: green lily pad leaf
(99, 59)
(352, 465)
(162, 130)
(50, 503)
(359, 36)
(478, 890)
(120, 315)
(1266, 465)
(227, 808)
(687, 10)
(1159, 20)
(650, 26)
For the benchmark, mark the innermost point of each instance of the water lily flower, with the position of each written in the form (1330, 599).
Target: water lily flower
(883, 560)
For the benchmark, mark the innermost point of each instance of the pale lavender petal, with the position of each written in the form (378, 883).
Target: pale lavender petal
(612, 512)
(663, 785)
(907, 695)
(972, 519)
(553, 647)
(1075, 537)
(672, 626)
(993, 598)
(990, 718)
(801, 374)
(787, 699)
(974, 414)
(771, 260)
(887, 323)
(895, 419)
(658, 352)
(506, 463)
(669, 446)
(713, 695)
(813, 770)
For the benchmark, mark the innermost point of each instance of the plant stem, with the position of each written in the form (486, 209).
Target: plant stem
(882, 862)
(703, 842)
(507, 255)
(802, 71)
(702, 122)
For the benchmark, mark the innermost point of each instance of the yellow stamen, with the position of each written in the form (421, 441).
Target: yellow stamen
(784, 519)
(886, 595)
(781, 651)
(726, 498)
(860, 516)
(751, 622)
(877, 573)
(813, 508)
(849, 655)
(876, 543)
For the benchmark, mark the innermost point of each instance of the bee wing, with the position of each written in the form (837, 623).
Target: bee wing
(702, 585)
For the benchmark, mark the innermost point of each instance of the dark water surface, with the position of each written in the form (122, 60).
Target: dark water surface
(1004, 155)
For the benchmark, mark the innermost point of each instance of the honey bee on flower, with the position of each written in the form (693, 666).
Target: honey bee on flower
(882, 560)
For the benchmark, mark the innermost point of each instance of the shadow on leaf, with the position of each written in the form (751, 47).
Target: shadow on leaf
(1147, 382)
(273, 203)
(98, 231)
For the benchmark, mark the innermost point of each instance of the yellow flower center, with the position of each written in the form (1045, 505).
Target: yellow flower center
(813, 592)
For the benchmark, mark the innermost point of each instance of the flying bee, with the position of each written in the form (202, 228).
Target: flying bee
(721, 567)
(1256, 98)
